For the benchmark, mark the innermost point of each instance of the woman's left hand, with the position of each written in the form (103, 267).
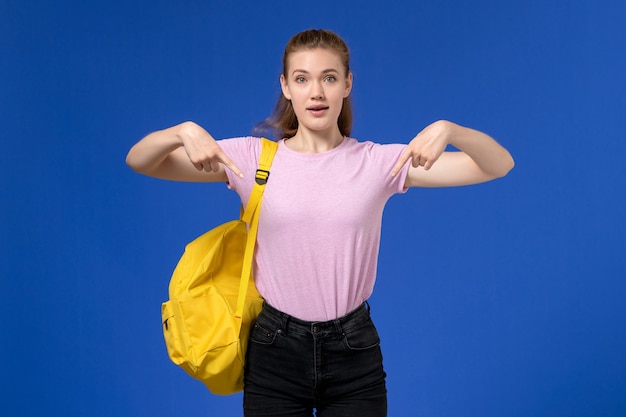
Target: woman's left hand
(426, 147)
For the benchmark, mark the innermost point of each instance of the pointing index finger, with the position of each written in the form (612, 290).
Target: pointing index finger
(228, 163)
(406, 154)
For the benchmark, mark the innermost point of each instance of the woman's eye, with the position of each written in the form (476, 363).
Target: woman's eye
(330, 79)
(300, 79)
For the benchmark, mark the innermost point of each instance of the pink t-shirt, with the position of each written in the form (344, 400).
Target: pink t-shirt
(320, 224)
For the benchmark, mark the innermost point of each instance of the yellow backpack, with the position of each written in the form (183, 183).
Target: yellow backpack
(206, 321)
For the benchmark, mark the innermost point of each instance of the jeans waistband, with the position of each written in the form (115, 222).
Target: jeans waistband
(338, 326)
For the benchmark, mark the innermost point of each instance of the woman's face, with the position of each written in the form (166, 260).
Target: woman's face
(316, 84)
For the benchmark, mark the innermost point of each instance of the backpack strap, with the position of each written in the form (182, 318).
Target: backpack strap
(268, 151)
(251, 217)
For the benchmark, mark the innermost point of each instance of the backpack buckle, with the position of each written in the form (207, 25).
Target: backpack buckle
(261, 176)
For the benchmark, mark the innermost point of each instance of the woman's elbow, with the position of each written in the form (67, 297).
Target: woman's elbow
(135, 163)
(506, 165)
(130, 161)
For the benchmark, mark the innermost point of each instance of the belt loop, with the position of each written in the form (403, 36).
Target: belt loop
(284, 321)
(337, 324)
(367, 304)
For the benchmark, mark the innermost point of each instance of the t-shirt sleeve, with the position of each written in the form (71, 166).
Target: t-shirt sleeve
(244, 152)
(386, 157)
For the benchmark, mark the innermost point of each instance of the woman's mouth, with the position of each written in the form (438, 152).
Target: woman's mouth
(317, 110)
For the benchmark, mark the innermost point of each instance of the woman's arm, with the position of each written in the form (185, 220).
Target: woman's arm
(185, 152)
(480, 158)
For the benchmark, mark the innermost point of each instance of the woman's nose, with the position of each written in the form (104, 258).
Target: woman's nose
(317, 91)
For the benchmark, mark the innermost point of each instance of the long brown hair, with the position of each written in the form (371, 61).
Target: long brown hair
(283, 120)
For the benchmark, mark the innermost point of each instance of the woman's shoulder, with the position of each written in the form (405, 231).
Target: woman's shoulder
(241, 144)
(372, 146)
(241, 139)
(243, 150)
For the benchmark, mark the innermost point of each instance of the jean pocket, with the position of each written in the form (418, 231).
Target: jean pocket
(362, 337)
(261, 335)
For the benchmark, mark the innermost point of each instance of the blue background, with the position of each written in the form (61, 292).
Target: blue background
(501, 299)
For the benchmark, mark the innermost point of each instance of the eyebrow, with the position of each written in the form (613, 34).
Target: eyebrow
(326, 71)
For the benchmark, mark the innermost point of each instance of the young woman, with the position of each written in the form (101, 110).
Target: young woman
(314, 345)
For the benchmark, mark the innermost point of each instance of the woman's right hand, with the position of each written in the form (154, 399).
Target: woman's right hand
(185, 152)
(202, 149)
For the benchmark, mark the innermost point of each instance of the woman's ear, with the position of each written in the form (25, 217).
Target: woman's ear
(348, 85)
(284, 87)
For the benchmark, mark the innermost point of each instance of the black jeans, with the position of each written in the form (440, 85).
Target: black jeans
(295, 366)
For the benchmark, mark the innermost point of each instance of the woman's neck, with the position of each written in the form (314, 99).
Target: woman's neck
(306, 141)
